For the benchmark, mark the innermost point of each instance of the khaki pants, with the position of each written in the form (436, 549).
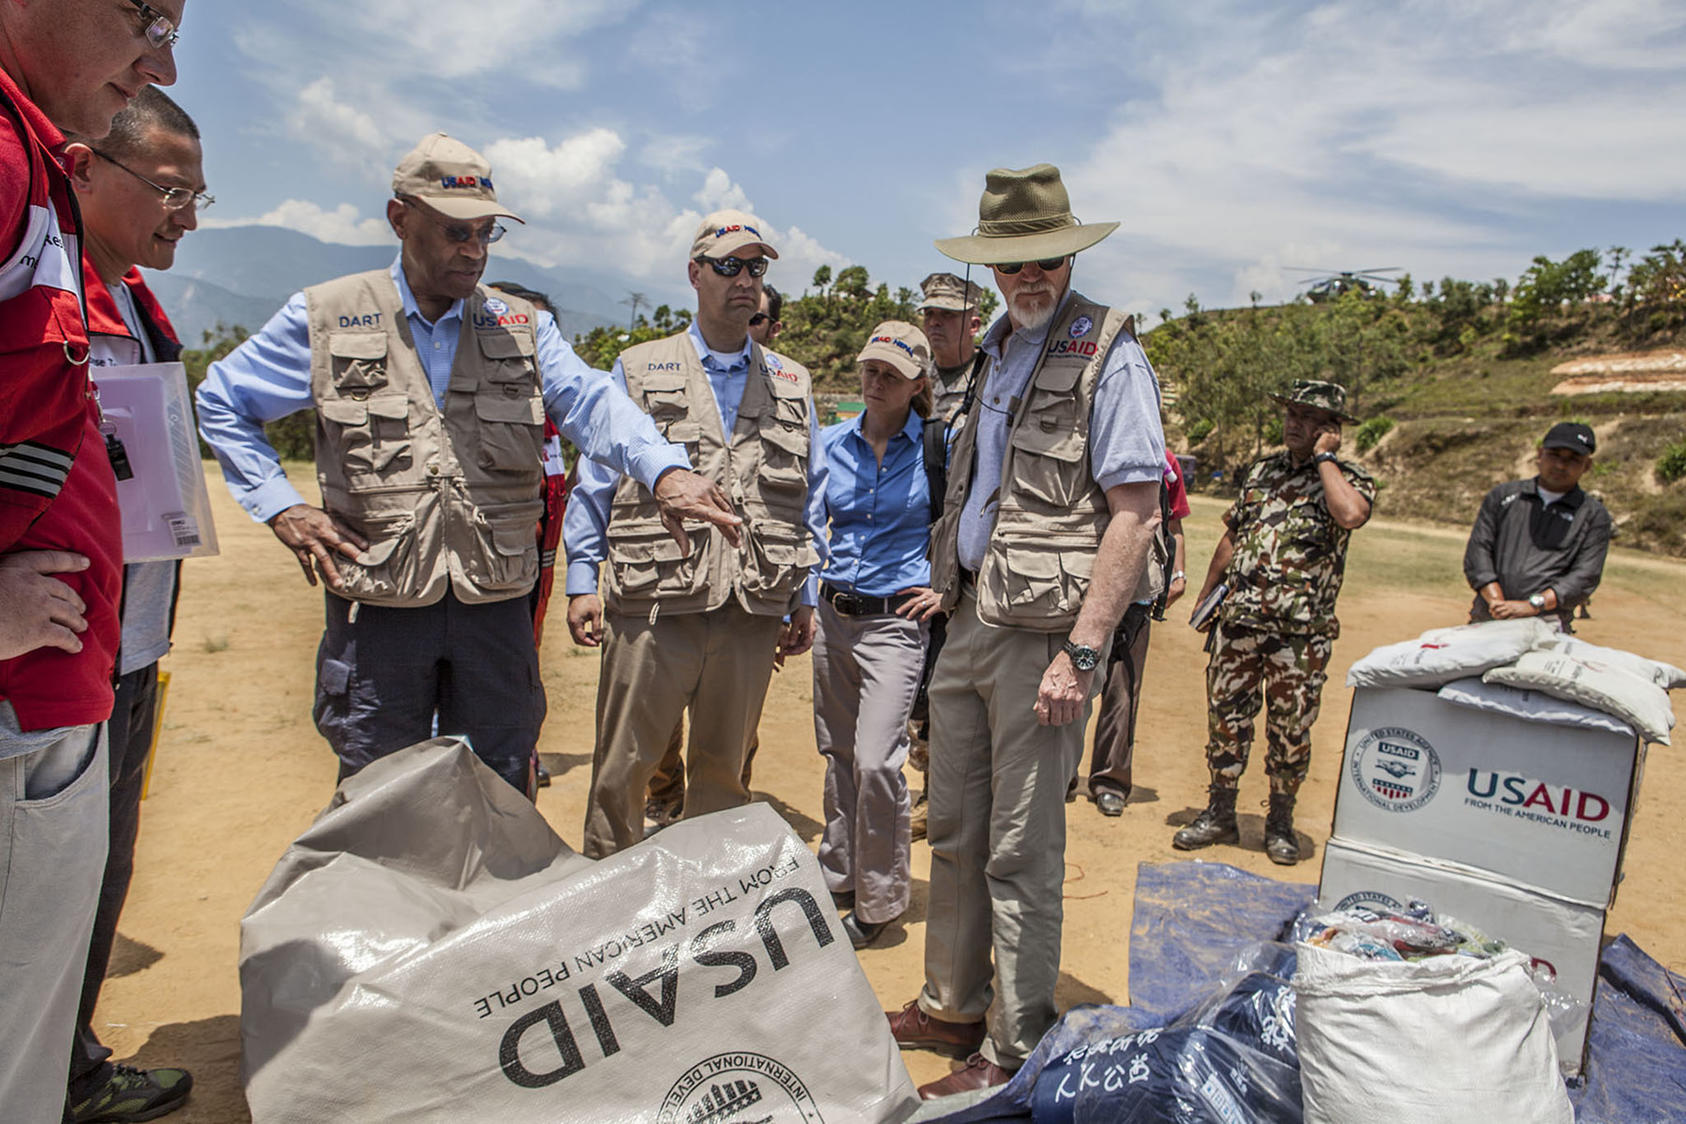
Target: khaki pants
(997, 833)
(720, 661)
(866, 672)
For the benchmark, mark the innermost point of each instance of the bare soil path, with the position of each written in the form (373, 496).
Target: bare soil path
(241, 770)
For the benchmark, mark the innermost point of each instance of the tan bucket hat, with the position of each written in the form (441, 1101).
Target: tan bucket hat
(451, 178)
(725, 232)
(1024, 215)
(902, 346)
(947, 293)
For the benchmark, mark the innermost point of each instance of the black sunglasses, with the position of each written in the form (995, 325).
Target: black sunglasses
(1046, 265)
(759, 318)
(729, 267)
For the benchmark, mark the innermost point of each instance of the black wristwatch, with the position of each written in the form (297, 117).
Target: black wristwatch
(1082, 658)
(1321, 457)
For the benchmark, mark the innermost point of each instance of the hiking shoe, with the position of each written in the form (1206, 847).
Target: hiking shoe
(1281, 846)
(921, 811)
(913, 1029)
(134, 1094)
(862, 933)
(978, 1073)
(1214, 825)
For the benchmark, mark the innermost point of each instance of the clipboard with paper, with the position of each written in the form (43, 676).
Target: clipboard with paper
(166, 508)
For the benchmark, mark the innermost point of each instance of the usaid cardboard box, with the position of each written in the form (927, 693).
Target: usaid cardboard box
(1567, 936)
(1541, 804)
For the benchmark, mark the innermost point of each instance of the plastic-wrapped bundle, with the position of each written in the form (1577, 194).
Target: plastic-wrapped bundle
(1232, 1058)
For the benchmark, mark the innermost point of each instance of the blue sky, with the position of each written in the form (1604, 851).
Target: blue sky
(1231, 138)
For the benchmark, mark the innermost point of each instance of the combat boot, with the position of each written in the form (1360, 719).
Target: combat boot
(1279, 841)
(1214, 825)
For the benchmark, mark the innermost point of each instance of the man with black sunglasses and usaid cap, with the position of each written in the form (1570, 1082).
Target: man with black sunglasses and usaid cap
(430, 393)
(1044, 540)
(65, 66)
(700, 627)
(1537, 548)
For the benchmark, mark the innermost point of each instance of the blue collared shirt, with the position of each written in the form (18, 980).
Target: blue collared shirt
(268, 377)
(585, 526)
(1126, 443)
(880, 513)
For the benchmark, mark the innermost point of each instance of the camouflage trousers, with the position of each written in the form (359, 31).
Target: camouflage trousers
(1288, 671)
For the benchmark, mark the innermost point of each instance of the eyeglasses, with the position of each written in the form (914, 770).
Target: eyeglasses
(729, 267)
(759, 318)
(174, 198)
(1046, 265)
(160, 32)
(461, 232)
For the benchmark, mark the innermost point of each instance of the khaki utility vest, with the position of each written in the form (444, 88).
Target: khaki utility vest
(762, 467)
(1051, 513)
(446, 498)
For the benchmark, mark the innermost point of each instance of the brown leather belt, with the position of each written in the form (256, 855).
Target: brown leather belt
(852, 604)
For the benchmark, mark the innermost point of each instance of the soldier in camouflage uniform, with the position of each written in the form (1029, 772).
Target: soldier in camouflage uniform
(1283, 557)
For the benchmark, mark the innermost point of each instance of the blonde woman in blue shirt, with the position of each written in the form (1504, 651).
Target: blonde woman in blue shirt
(875, 600)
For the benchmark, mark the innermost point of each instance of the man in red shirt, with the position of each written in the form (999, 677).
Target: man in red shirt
(64, 64)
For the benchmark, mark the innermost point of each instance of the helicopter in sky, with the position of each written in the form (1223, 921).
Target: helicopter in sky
(1334, 282)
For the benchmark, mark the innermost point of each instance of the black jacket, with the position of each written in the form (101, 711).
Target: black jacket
(1528, 546)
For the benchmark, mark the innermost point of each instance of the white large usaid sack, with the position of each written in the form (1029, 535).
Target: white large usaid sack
(429, 950)
(1447, 1040)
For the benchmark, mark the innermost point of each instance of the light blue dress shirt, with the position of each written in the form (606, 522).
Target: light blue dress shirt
(880, 513)
(268, 377)
(585, 526)
(1126, 443)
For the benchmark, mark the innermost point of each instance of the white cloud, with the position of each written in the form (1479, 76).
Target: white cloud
(548, 179)
(718, 193)
(324, 120)
(1355, 136)
(343, 224)
(580, 209)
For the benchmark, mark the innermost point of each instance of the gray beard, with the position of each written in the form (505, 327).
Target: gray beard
(1032, 320)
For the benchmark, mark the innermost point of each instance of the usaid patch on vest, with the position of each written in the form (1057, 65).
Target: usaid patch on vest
(679, 980)
(497, 314)
(776, 369)
(1080, 327)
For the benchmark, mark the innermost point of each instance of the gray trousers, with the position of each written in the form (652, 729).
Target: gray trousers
(866, 673)
(997, 832)
(52, 857)
(720, 661)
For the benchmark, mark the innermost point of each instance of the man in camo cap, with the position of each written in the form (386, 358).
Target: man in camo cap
(951, 314)
(1282, 556)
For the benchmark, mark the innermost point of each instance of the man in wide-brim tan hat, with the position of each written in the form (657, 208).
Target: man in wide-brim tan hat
(1046, 532)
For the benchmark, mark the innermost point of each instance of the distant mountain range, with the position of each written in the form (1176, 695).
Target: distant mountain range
(244, 274)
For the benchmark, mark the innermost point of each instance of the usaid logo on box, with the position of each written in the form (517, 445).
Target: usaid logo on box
(1396, 769)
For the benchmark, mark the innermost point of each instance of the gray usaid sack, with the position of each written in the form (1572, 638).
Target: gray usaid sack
(430, 950)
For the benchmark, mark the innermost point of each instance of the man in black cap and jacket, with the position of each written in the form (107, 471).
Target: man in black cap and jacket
(1538, 545)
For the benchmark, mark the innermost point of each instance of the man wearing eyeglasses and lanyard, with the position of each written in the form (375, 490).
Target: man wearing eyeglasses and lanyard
(65, 66)
(701, 627)
(430, 394)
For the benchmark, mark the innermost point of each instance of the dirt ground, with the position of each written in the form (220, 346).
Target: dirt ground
(240, 771)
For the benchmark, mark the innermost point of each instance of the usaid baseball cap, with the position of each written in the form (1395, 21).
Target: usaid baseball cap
(902, 346)
(724, 233)
(451, 178)
(948, 293)
(1572, 436)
